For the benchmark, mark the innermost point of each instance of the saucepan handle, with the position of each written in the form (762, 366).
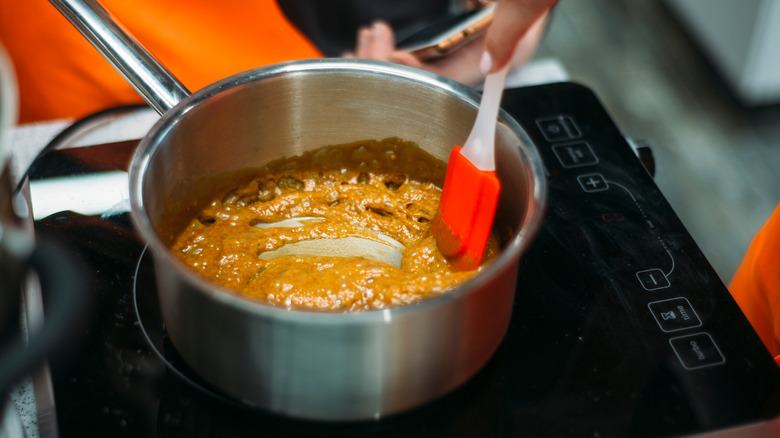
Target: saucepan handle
(145, 73)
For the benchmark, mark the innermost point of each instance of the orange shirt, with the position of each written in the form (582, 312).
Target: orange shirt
(756, 284)
(61, 75)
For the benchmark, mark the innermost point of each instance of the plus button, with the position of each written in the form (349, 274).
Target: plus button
(592, 182)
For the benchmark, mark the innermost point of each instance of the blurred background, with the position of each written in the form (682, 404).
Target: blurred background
(688, 77)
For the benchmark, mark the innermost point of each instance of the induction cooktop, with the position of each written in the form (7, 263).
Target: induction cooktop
(620, 325)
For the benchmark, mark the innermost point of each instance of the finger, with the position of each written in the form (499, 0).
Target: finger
(405, 58)
(511, 21)
(461, 65)
(382, 41)
(364, 39)
(475, 4)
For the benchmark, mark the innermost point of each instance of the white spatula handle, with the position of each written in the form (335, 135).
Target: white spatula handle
(479, 147)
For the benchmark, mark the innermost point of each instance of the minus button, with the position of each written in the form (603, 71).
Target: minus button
(575, 154)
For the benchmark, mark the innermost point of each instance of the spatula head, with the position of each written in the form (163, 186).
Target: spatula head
(465, 216)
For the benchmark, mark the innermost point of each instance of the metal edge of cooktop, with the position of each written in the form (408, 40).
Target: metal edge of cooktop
(35, 402)
(35, 399)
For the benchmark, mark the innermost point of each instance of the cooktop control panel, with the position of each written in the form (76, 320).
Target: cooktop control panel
(641, 323)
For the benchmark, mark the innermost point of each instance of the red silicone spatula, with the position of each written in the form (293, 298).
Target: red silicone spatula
(468, 201)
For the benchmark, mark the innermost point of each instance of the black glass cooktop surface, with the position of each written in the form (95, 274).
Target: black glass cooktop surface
(620, 325)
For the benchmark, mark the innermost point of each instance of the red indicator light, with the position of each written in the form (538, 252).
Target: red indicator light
(613, 217)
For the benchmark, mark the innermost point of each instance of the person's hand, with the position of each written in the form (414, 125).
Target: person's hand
(514, 22)
(377, 42)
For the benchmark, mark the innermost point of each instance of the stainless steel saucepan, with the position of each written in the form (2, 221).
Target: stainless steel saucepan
(306, 364)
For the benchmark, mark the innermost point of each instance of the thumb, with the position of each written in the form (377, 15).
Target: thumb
(511, 21)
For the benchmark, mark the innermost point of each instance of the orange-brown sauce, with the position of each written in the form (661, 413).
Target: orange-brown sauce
(389, 187)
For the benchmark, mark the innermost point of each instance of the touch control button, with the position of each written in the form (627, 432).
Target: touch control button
(697, 351)
(653, 279)
(674, 314)
(559, 128)
(593, 182)
(575, 154)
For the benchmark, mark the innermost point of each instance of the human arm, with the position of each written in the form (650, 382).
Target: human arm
(756, 284)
